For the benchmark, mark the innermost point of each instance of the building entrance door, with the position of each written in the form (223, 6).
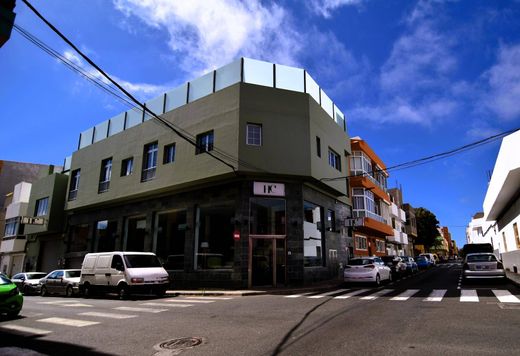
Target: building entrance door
(267, 261)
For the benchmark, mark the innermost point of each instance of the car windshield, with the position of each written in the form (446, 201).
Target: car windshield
(360, 262)
(142, 261)
(4, 280)
(72, 274)
(482, 258)
(36, 275)
(421, 259)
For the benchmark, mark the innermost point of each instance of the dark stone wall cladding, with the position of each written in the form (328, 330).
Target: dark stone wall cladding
(239, 194)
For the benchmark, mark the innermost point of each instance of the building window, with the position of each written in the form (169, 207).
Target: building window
(169, 238)
(127, 166)
(106, 232)
(254, 134)
(267, 216)
(204, 142)
(149, 161)
(517, 237)
(135, 232)
(11, 227)
(74, 184)
(331, 220)
(318, 146)
(169, 153)
(334, 160)
(505, 242)
(380, 246)
(42, 206)
(361, 242)
(313, 235)
(105, 175)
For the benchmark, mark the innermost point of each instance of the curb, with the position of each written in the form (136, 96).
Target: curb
(513, 278)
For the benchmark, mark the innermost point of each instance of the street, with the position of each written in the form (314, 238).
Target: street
(425, 313)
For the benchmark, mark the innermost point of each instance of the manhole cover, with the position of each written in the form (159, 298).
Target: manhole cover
(176, 346)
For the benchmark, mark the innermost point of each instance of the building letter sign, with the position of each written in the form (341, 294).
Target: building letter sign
(270, 189)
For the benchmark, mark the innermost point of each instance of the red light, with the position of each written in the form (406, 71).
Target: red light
(369, 266)
(236, 235)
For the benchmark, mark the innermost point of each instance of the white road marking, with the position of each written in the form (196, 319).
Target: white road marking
(26, 329)
(351, 294)
(68, 322)
(173, 305)
(59, 302)
(108, 315)
(81, 305)
(146, 310)
(405, 295)
(504, 296)
(436, 295)
(376, 294)
(297, 295)
(327, 294)
(211, 298)
(468, 295)
(188, 301)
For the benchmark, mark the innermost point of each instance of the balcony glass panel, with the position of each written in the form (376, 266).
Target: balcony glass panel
(66, 165)
(289, 78)
(176, 97)
(134, 117)
(201, 87)
(228, 75)
(312, 88)
(117, 124)
(155, 105)
(368, 214)
(86, 138)
(339, 117)
(327, 104)
(258, 72)
(101, 131)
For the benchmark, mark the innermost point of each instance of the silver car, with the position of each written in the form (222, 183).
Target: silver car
(61, 281)
(28, 282)
(482, 265)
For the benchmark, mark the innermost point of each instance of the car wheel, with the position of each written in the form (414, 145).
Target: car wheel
(122, 291)
(44, 291)
(390, 278)
(25, 290)
(13, 314)
(378, 280)
(87, 290)
(161, 292)
(69, 292)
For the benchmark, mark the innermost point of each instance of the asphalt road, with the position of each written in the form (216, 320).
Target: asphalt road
(423, 314)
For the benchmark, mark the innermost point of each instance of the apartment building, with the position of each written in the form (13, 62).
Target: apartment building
(397, 243)
(247, 189)
(410, 228)
(370, 200)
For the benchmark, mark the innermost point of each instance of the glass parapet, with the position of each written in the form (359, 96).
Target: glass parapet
(258, 72)
(326, 103)
(133, 117)
(117, 124)
(228, 75)
(155, 105)
(290, 78)
(86, 137)
(312, 88)
(176, 97)
(101, 131)
(201, 87)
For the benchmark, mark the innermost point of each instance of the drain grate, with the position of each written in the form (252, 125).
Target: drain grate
(176, 346)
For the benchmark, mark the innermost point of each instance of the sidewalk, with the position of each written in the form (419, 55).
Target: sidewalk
(513, 277)
(326, 285)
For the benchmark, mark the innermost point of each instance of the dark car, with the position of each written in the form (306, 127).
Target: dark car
(411, 265)
(422, 262)
(396, 265)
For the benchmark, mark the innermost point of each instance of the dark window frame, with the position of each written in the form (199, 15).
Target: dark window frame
(205, 142)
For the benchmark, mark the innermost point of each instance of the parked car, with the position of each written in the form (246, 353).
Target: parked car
(422, 262)
(482, 265)
(28, 282)
(411, 265)
(124, 273)
(11, 300)
(430, 257)
(367, 269)
(61, 281)
(395, 264)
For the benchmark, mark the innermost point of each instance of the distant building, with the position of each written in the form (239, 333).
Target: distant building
(7, 17)
(411, 228)
(398, 242)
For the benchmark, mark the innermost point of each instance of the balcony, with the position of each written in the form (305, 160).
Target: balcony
(398, 237)
(369, 182)
(13, 244)
(373, 222)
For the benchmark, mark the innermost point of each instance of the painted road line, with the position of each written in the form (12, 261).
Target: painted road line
(351, 294)
(188, 301)
(211, 298)
(108, 315)
(80, 305)
(504, 296)
(468, 295)
(327, 294)
(173, 305)
(297, 295)
(436, 295)
(59, 302)
(146, 310)
(68, 322)
(25, 329)
(405, 295)
(376, 294)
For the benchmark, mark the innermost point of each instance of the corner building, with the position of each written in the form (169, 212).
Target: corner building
(136, 185)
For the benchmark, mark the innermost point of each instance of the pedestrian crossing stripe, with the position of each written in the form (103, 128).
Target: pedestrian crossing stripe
(405, 295)
(68, 322)
(297, 295)
(172, 305)
(145, 310)
(188, 301)
(327, 294)
(108, 315)
(25, 329)
(468, 296)
(210, 298)
(505, 296)
(376, 294)
(351, 294)
(436, 295)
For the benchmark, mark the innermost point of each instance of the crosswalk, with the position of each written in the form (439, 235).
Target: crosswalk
(435, 295)
(90, 318)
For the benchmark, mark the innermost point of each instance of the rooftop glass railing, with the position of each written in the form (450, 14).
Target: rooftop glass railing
(243, 70)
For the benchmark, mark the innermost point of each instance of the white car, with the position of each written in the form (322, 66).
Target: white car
(367, 269)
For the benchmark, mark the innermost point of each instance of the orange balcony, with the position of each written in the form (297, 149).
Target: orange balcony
(374, 227)
(364, 182)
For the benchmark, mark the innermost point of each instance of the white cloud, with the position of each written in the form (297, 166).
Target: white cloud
(208, 34)
(503, 80)
(325, 7)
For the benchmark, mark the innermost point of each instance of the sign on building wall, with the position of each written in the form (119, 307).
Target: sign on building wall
(28, 220)
(270, 189)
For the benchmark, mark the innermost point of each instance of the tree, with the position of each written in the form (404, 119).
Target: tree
(427, 225)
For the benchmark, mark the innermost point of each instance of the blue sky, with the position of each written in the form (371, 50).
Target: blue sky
(414, 78)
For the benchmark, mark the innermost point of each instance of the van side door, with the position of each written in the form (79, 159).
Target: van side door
(117, 269)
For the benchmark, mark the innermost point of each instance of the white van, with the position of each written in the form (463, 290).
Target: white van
(124, 273)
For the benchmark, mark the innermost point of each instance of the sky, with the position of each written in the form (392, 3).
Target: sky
(414, 78)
